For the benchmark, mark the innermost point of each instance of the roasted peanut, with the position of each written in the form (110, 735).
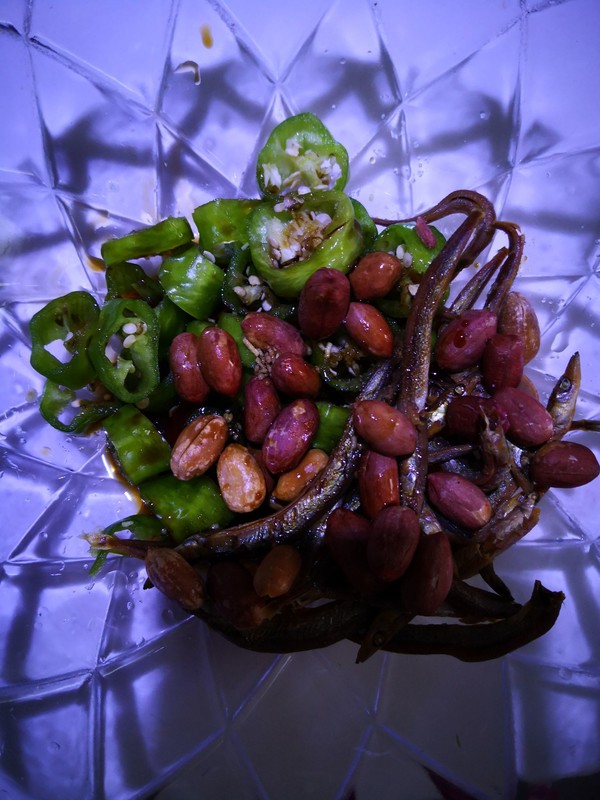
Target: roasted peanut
(458, 499)
(290, 435)
(198, 446)
(464, 416)
(461, 343)
(375, 275)
(265, 331)
(518, 318)
(392, 542)
(294, 376)
(261, 406)
(292, 483)
(378, 482)
(346, 537)
(277, 571)
(240, 478)
(386, 429)
(175, 577)
(530, 424)
(220, 360)
(502, 362)
(367, 326)
(563, 465)
(323, 303)
(427, 581)
(526, 385)
(185, 367)
(231, 590)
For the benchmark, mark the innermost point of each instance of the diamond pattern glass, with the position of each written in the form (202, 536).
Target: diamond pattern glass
(117, 114)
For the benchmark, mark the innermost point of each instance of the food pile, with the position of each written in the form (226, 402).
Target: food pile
(327, 440)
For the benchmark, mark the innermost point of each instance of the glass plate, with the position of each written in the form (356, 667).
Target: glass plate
(121, 113)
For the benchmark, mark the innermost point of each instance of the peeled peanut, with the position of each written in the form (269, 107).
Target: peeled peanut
(502, 362)
(241, 480)
(458, 499)
(294, 376)
(518, 318)
(386, 429)
(323, 303)
(198, 446)
(427, 581)
(290, 435)
(530, 424)
(277, 571)
(220, 360)
(392, 542)
(378, 482)
(185, 367)
(261, 406)
(291, 484)
(375, 275)
(367, 326)
(461, 343)
(563, 465)
(264, 331)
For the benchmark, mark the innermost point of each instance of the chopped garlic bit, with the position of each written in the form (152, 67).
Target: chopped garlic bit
(129, 341)
(292, 147)
(129, 327)
(297, 239)
(209, 255)
(272, 176)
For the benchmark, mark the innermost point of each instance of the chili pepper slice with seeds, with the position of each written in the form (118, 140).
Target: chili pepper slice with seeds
(71, 319)
(65, 411)
(289, 244)
(222, 223)
(301, 156)
(133, 373)
(166, 235)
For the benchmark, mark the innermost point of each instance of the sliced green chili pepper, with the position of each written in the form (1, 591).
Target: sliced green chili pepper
(197, 326)
(139, 448)
(166, 235)
(128, 280)
(287, 246)
(65, 411)
(367, 225)
(244, 292)
(221, 223)
(171, 321)
(301, 156)
(131, 374)
(341, 364)
(398, 235)
(71, 319)
(192, 281)
(186, 506)
(332, 419)
(163, 397)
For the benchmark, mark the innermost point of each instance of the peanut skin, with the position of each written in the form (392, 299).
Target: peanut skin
(378, 482)
(375, 275)
(386, 429)
(459, 500)
(265, 331)
(530, 424)
(367, 326)
(323, 303)
(461, 343)
(290, 436)
(428, 579)
(294, 376)
(392, 542)
(220, 360)
(184, 360)
(261, 407)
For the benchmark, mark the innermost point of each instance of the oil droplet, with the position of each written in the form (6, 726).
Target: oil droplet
(207, 37)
